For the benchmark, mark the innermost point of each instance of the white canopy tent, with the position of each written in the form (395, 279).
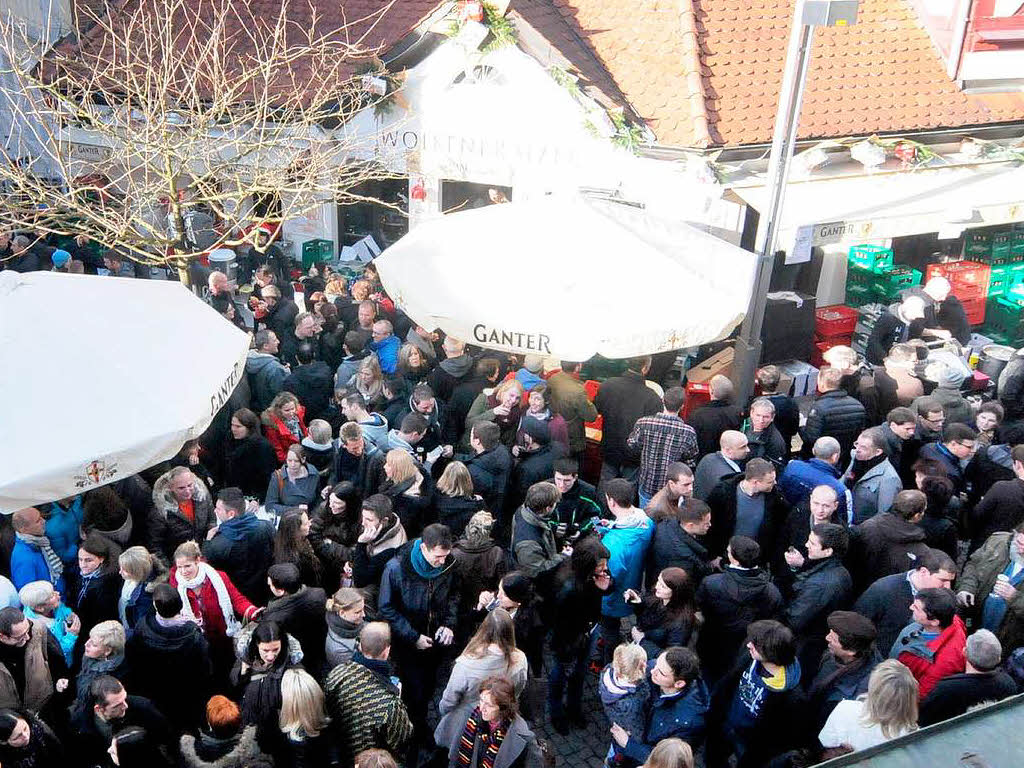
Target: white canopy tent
(569, 277)
(103, 377)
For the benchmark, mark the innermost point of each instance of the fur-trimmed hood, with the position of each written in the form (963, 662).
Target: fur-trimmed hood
(243, 753)
(165, 502)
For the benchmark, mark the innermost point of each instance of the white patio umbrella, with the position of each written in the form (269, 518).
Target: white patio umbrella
(569, 277)
(103, 377)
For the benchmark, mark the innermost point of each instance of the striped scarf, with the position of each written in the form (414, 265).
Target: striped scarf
(53, 562)
(490, 741)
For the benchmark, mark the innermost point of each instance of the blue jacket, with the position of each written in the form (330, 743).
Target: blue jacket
(681, 716)
(29, 564)
(58, 629)
(799, 478)
(62, 529)
(628, 549)
(387, 352)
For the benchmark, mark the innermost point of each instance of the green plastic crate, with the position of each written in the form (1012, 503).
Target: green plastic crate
(977, 246)
(871, 257)
(316, 252)
(1004, 277)
(1017, 245)
(1002, 243)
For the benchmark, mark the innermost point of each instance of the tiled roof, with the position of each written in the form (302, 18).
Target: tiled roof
(643, 44)
(880, 75)
(375, 25)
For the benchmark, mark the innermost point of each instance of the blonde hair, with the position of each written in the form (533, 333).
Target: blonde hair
(109, 634)
(670, 753)
(188, 550)
(505, 386)
(455, 480)
(344, 599)
(891, 702)
(137, 562)
(35, 593)
(478, 529)
(629, 662)
(302, 705)
(400, 465)
(497, 629)
(375, 758)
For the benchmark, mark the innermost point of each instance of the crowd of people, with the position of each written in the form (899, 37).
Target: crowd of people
(383, 552)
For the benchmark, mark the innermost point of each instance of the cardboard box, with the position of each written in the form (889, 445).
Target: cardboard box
(703, 371)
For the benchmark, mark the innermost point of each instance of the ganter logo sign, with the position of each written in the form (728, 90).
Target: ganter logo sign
(534, 342)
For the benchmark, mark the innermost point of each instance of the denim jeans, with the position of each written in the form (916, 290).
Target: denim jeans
(563, 674)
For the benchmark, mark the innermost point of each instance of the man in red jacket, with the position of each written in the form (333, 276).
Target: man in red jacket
(932, 645)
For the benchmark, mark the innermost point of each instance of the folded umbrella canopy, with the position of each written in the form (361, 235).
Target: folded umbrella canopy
(103, 377)
(569, 277)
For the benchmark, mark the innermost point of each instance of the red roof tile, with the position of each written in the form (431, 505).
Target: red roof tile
(880, 75)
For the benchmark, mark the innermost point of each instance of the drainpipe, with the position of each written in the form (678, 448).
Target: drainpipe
(956, 49)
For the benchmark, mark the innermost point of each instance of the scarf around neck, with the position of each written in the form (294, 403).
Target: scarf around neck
(223, 598)
(490, 741)
(859, 468)
(53, 562)
(420, 564)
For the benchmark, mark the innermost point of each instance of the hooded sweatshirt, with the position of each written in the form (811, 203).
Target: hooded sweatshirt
(457, 366)
(375, 429)
(627, 539)
(755, 686)
(266, 378)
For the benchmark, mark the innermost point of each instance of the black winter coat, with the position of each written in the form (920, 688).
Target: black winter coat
(245, 557)
(820, 588)
(248, 464)
(622, 400)
(171, 667)
(887, 603)
(455, 511)
(413, 605)
(573, 610)
(711, 420)
(413, 511)
(533, 468)
(836, 682)
(834, 414)
(883, 545)
(955, 694)
(661, 629)
(366, 473)
(90, 744)
(304, 617)
(96, 602)
(313, 384)
(729, 602)
(1002, 509)
(43, 748)
(462, 399)
(723, 517)
(674, 547)
(490, 471)
(888, 330)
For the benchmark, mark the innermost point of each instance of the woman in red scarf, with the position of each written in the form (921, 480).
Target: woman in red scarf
(495, 734)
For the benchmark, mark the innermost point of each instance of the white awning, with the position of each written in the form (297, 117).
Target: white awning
(854, 209)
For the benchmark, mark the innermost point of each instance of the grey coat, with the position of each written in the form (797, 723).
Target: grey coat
(518, 749)
(710, 470)
(875, 491)
(462, 694)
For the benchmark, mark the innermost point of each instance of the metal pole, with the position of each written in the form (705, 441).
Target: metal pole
(787, 119)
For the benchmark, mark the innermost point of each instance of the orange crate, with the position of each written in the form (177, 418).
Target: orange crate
(968, 279)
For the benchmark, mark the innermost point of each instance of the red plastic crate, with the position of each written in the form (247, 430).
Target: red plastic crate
(838, 320)
(975, 310)
(968, 279)
(824, 345)
(698, 393)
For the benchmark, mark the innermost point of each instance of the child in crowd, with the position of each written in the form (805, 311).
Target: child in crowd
(624, 693)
